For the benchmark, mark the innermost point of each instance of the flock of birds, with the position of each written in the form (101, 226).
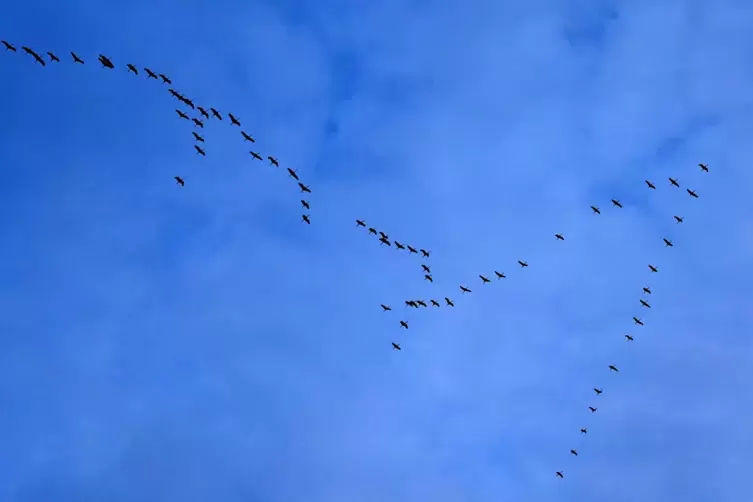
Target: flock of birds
(210, 113)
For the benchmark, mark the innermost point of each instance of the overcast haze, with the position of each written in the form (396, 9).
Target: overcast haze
(203, 344)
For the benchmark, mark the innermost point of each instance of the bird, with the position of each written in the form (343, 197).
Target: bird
(198, 122)
(595, 210)
(425, 253)
(150, 73)
(629, 338)
(199, 150)
(422, 303)
(484, 280)
(305, 218)
(559, 474)
(385, 308)
(616, 203)
(372, 230)
(292, 174)
(132, 69)
(612, 367)
(384, 240)
(255, 155)
(76, 59)
(559, 236)
(647, 290)
(653, 269)
(384, 236)
(692, 193)
(464, 289)
(426, 268)
(106, 63)
(396, 346)
(411, 303)
(165, 80)
(650, 185)
(522, 264)
(449, 302)
(399, 246)
(637, 321)
(403, 324)
(181, 114)
(34, 55)
(215, 113)
(305, 204)
(668, 243)
(233, 120)
(500, 275)
(704, 167)
(598, 391)
(179, 180)
(197, 137)
(203, 112)
(273, 161)
(412, 250)
(645, 304)
(434, 303)
(53, 57)
(246, 137)
(427, 277)
(678, 218)
(304, 188)
(8, 46)
(188, 102)
(573, 452)
(593, 410)
(674, 182)
(584, 431)
(360, 223)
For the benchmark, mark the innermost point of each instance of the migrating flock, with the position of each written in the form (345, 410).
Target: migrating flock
(198, 116)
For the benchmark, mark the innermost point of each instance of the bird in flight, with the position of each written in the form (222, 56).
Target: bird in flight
(704, 167)
(679, 219)
(165, 80)
(199, 150)
(396, 346)
(559, 474)
(584, 431)
(360, 223)
(422, 303)
(499, 275)
(150, 73)
(412, 250)
(484, 280)
(653, 269)
(53, 57)
(593, 410)
(255, 155)
(197, 137)
(650, 185)
(76, 59)
(645, 304)
(8, 46)
(674, 182)
(233, 120)
(598, 391)
(464, 289)
(612, 367)
(637, 321)
(34, 55)
(573, 452)
(411, 303)
(304, 188)
(616, 203)
(399, 246)
(372, 230)
(522, 264)
(559, 236)
(692, 193)
(203, 112)
(273, 161)
(434, 303)
(449, 302)
(629, 338)
(403, 324)
(384, 240)
(385, 308)
(305, 204)
(179, 180)
(305, 218)
(647, 290)
(181, 114)
(595, 210)
(425, 253)
(215, 113)
(668, 243)
(426, 268)
(427, 277)
(198, 122)
(106, 63)
(246, 137)
(132, 69)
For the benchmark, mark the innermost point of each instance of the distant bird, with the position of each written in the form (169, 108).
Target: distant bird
(484, 280)
(559, 236)
(434, 303)
(188, 102)
(411, 303)
(292, 174)
(76, 59)
(233, 120)
(384, 236)
(372, 230)
(637, 321)
(305, 218)
(8, 46)
(598, 391)
(464, 289)
(612, 367)
(399, 246)
(559, 474)
(704, 167)
(246, 137)
(629, 338)
(396, 346)
(668, 243)
(150, 73)
(197, 137)
(165, 80)
(305, 204)
(593, 410)
(645, 304)
(573, 452)
(674, 182)
(181, 114)
(255, 155)
(198, 122)
(273, 161)
(203, 112)
(422, 303)
(692, 193)
(304, 188)
(426, 268)
(106, 63)
(403, 324)
(360, 223)
(384, 240)
(215, 113)
(650, 185)
(653, 269)
(584, 431)
(385, 308)
(53, 57)
(679, 219)
(179, 181)
(595, 210)
(647, 290)
(522, 264)
(449, 302)
(199, 150)
(132, 69)
(500, 275)
(616, 203)
(412, 250)
(425, 253)
(427, 277)
(33, 54)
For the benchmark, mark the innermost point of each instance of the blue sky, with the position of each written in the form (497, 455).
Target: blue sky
(200, 343)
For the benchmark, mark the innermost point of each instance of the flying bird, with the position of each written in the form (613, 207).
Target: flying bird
(273, 161)
(246, 137)
(403, 324)
(198, 122)
(584, 431)
(199, 150)
(53, 57)
(132, 69)
(595, 210)
(559, 474)
(372, 230)
(704, 167)
(674, 182)
(203, 112)
(76, 59)
(215, 113)
(304, 188)
(425, 253)
(34, 55)
(411, 303)
(197, 137)
(692, 193)
(650, 185)
(305, 204)
(399, 246)
(645, 304)
(422, 303)
(385, 236)
(306, 219)
(396, 346)
(165, 80)
(653, 269)
(434, 303)
(412, 250)
(593, 410)
(573, 452)
(188, 102)
(616, 203)
(559, 236)
(464, 289)
(629, 338)
(484, 280)
(500, 276)
(181, 114)
(8, 46)
(106, 63)
(668, 243)
(647, 290)
(385, 308)
(255, 155)
(449, 302)
(678, 218)
(427, 277)
(598, 391)
(522, 264)
(612, 367)
(637, 321)
(179, 180)
(233, 120)
(384, 240)
(360, 223)
(426, 268)
(150, 73)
